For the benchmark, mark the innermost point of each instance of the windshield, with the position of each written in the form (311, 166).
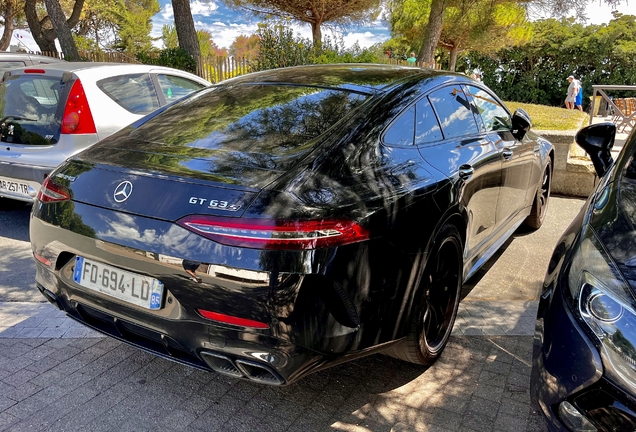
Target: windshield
(29, 111)
(270, 122)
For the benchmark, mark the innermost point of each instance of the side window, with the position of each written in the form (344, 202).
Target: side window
(175, 87)
(495, 116)
(402, 131)
(133, 92)
(426, 126)
(454, 111)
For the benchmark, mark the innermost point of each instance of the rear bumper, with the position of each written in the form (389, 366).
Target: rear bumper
(206, 346)
(33, 176)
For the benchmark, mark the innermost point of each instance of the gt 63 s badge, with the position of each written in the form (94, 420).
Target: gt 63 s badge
(215, 204)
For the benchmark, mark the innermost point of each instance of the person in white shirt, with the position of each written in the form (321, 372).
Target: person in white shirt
(573, 90)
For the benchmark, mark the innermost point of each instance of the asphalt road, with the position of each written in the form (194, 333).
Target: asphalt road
(54, 377)
(17, 270)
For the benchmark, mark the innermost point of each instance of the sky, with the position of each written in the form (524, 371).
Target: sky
(226, 24)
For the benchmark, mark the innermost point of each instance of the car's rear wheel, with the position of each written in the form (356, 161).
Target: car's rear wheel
(541, 200)
(436, 308)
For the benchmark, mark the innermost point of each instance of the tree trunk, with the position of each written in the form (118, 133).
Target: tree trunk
(62, 29)
(432, 33)
(316, 34)
(184, 24)
(454, 51)
(9, 26)
(45, 38)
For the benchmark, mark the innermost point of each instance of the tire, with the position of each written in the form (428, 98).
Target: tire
(437, 301)
(541, 200)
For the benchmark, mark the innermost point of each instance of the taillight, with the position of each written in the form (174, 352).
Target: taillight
(77, 118)
(34, 71)
(229, 319)
(52, 192)
(276, 234)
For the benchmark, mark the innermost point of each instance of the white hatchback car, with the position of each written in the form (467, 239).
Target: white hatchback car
(50, 112)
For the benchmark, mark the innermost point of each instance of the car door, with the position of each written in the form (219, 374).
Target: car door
(517, 157)
(467, 156)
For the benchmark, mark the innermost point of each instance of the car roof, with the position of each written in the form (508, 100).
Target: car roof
(77, 66)
(366, 78)
(8, 55)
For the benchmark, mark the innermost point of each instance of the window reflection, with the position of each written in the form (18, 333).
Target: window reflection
(271, 119)
(453, 110)
(495, 117)
(427, 128)
(402, 130)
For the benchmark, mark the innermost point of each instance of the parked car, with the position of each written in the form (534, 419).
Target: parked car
(584, 368)
(289, 220)
(14, 60)
(50, 112)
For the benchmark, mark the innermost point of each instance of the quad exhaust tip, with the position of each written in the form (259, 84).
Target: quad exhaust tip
(241, 369)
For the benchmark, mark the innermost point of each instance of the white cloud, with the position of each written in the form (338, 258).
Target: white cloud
(197, 7)
(223, 34)
(364, 40)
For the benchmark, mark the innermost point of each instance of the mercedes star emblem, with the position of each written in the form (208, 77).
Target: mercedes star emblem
(123, 191)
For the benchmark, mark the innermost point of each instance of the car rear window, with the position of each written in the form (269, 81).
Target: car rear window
(30, 112)
(272, 120)
(134, 92)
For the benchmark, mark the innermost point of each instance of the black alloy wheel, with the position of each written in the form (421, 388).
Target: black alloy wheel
(541, 200)
(440, 292)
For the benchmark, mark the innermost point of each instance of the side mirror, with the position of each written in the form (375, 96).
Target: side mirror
(521, 123)
(597, 141)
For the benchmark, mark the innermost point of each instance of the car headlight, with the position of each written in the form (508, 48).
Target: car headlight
(603, 300)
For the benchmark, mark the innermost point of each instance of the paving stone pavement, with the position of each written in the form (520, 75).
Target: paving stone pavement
(55, 375)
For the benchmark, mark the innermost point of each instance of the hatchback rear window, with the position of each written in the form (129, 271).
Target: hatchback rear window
(30, 112)
(274, 121)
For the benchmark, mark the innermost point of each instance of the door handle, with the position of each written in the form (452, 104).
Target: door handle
(465, 171)
(507, 154)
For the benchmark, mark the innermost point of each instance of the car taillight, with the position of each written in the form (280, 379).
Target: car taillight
(77, 118)
(51, 192)
(276, 234)
(229, 319)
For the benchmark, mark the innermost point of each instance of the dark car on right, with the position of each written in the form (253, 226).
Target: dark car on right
(584, 360)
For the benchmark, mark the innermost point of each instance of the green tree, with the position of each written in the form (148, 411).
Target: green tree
(169, 36)
(132, 23)
(483, 27)
(426, 17)
(313, 12)
(536, 71)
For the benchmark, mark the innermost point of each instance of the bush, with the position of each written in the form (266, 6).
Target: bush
(177, 58)
(279, 47)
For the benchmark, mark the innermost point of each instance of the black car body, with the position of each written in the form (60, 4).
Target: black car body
(292, 219)
(584, 367)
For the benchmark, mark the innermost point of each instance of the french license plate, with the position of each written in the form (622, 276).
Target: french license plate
(139, 290)
(14, 186)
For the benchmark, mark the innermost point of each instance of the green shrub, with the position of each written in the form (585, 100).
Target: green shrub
(177, 58)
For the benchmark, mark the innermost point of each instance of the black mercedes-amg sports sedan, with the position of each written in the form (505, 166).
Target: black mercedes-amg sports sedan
(584, 356)
(289, 220)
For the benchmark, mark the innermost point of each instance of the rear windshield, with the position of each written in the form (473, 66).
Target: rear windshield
(29, 111)
(273, 120)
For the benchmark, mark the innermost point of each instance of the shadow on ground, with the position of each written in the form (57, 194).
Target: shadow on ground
(479, 384)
